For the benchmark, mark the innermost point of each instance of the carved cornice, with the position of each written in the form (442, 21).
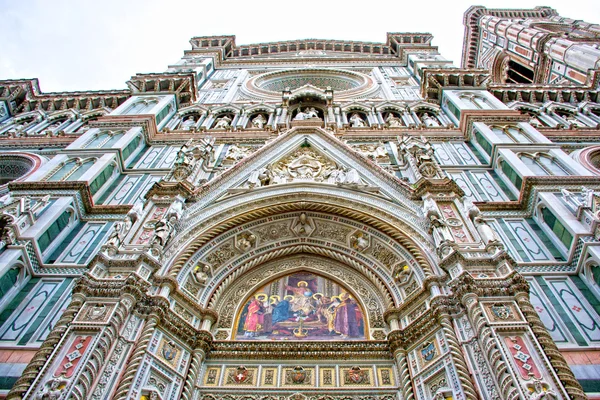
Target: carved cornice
(539, 94)
(164, 188)
(444, 185)
(434, 80)
(182, 84)
(509, 285)
(457, 257)
(490, 117)
(25, 95)
(349, 350)
(80, 186)
(539, 183)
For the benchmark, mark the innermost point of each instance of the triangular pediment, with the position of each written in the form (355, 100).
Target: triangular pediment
(311, 156)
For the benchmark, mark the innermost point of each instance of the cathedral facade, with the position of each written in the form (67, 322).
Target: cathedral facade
(311, 219)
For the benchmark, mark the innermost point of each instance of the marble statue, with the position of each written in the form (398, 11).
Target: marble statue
(587, 196)
(308, 113)
(488, 235)
(356, 121)
(539, 392)
(175, 211)
(188, 123)
(392, 121)
(259, 121)
(440, 231)
(429, 121)
(359, 241)
(373, 151)
(201, 273)
(162, 233)
(223, 122)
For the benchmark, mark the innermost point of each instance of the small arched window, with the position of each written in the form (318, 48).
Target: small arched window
(511, 134)
(476, 101)
(80, 170)
(543, 165)
(533, 165)
(104, 140)
(141, 106)
(63, 171)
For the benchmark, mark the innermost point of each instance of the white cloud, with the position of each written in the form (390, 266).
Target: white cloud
(90, 45)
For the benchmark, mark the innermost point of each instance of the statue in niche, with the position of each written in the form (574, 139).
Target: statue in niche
(162, 233)
(356, 121)
(223, 122)
(574, 122)
(311, 112)
(188, 157)
(391, 121)
(201, 273)
(308, 113)
(259, 121)
(115, 238)
(488, 235)
(587, 196)
(245, 241)
(303, 226)
(175, 211)
(440, 231)
(188, 123)
(429, 121)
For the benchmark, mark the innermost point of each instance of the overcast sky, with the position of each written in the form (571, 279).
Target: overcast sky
(98, 45)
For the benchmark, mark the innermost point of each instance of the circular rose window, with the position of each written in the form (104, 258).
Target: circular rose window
(15, 166)
(345, 84)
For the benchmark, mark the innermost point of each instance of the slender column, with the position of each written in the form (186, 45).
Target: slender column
(136, 358)
(458, 358)
(405, 381)
(565, 375)
(39, 359)
(192, 375)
